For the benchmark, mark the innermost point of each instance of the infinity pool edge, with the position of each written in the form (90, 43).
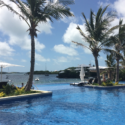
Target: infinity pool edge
(42, 94)
(104, 87)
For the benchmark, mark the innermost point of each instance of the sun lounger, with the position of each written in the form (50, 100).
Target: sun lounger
(79, 83)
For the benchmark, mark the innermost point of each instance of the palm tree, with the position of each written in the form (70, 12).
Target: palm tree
(35, 11)
(110, 63)
(97, 33)
(122, 64)
(118, 42)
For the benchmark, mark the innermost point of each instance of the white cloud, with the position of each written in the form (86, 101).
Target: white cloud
(5, 49)
(36, 64)
(11, 25)
(72, 19)
(69, 19)
(60, 59)
(119, 6)
(104, 4)
(23, 60)
(65, 59)
(45, 27)
(72, 34)
(65, 50)
(40, 58)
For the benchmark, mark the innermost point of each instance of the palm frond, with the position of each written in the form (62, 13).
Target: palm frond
(98, 16)
(110, 62)
(102, 12)
(92, 20)
(88, 28)
(83, 34)
(109, 42)
(55, 11)
(14, 11)
(66, 2)
(25, 9)
(80, 44)
(110, 31)
(114, 52)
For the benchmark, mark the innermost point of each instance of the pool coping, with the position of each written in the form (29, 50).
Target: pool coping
(42, 94)
(104, 87)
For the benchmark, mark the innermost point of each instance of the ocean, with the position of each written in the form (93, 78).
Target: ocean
(19, 78)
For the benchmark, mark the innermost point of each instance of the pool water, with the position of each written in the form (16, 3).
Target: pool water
(68, 105)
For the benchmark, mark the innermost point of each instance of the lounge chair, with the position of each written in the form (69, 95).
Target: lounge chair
(95, 80)
(90, 81)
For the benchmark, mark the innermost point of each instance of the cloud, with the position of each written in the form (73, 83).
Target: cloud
(15, 28)
(69, 19)
(45, 27)
(27, 44)
(5, 49)
(40, 58)
(72, 19)
(104, 4)
(72, 34)
(60, 59)
(36, 64)
(65, 50)
(23, 60)
(65, 59)
(119, 6)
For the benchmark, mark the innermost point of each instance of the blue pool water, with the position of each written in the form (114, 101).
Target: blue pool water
(68, 105)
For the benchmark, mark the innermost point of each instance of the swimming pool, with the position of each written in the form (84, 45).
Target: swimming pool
(69, 105)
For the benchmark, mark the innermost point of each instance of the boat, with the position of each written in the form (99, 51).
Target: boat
(37, 79)
(46, 74)
(7, 77)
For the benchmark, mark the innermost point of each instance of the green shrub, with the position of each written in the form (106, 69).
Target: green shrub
(104, 84)
(19, 91)
(109, 83)
(95, 84)
(116, 83)
(2, 94)
(7, 89)
(122, 75)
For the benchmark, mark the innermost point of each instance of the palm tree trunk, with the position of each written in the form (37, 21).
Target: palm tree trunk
(110, 75)
(30, 80)
(97, 69)
(117, 71)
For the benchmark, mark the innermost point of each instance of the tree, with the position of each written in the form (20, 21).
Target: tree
(97, 33)
(35, 11)
(111, 64)
(118, 43)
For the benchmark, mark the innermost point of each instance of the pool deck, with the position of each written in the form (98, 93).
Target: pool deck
(41, 94)
(104, 87)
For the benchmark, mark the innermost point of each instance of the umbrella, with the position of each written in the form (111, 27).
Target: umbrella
(4, 65)
(82, 73)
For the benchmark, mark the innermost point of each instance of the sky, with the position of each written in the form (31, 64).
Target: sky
(53, 46)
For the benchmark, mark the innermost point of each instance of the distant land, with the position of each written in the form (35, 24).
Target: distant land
(45, 72)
